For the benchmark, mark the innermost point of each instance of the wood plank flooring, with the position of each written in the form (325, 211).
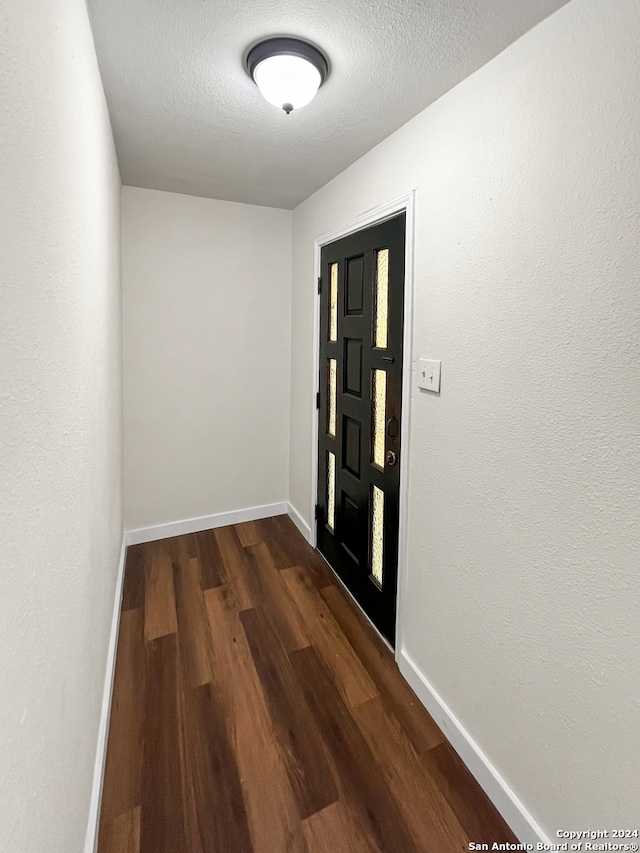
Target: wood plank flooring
(256, 711)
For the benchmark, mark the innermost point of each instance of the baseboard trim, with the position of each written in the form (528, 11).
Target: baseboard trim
(299, 522)
(524, 826)
(204, 522)
(91, 839)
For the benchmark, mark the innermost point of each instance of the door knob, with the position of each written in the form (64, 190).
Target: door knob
(392, 427)
(391, 458)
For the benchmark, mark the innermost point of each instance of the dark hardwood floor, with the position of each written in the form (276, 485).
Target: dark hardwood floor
(254, 709)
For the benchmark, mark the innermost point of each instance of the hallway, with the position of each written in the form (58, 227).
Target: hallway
(254, 709)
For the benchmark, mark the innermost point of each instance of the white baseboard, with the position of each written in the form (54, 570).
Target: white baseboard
(299, 522)
(91, 839)
(204, 522)
(523, 825)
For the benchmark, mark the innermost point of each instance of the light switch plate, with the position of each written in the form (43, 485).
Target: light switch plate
(429, 375)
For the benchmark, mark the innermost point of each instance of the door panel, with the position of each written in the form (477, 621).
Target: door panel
(361, 327)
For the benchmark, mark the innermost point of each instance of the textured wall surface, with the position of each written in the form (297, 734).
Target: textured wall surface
(188, 118)
(207, 314)
(60, 419)
(524, 542)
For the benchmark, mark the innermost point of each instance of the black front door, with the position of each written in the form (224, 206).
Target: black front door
(361, 325)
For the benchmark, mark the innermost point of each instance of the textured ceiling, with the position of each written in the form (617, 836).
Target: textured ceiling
(187, 118)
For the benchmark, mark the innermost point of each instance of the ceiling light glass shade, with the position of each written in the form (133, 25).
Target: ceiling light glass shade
(287, 71)
(287, 81)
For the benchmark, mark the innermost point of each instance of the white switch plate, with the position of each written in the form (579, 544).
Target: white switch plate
(429, 374)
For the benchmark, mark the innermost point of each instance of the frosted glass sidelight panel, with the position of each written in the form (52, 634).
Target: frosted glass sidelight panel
(331, 492)
(377, 529)
(331, 414)
(379, 403)
(333, 303)
(382, 298)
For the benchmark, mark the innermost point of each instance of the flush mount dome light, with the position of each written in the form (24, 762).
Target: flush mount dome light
(287, 71)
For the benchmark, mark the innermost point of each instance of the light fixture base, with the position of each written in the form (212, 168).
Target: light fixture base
(287, 46)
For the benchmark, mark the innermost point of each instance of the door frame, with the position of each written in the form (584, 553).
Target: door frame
(402, 204)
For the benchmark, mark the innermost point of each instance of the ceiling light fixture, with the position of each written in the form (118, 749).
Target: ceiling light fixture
(287, 71)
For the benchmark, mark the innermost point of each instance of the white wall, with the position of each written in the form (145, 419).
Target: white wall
(60, 419)
(207, 314)
(524, 541)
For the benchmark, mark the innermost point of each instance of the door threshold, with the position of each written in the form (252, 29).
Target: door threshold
(357, 604)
